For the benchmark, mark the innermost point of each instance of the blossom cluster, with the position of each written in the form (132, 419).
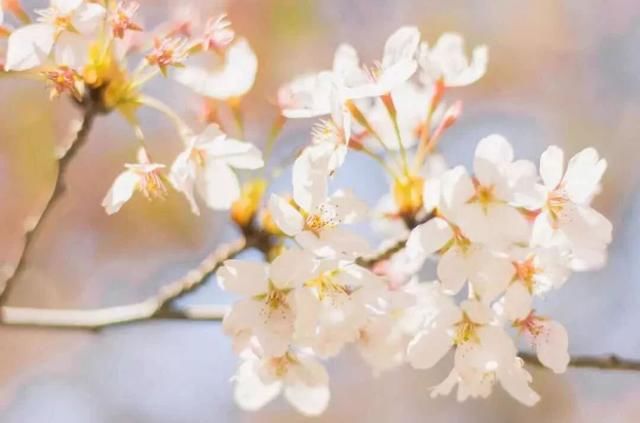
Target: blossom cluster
(501, 235)
(84, 48)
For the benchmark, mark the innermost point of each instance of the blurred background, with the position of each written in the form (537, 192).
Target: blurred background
(560, 72)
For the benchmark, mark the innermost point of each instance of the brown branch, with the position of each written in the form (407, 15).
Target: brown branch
(96, 319)
(158, 306)
(148, 311)
(59, 188)
(604, 362)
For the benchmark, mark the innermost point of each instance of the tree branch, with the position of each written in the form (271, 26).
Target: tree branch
(159, 306)
(147, 311)
(33, 229)
(604, 362)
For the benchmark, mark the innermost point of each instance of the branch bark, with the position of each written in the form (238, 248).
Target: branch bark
(604, 362)
(148, 311)
(31, 233)
(158, 306)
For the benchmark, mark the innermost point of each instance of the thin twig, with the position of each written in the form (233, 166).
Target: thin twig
(33, 229)
(158, 306)
(147, 311)
(604, 362)
(95, 319)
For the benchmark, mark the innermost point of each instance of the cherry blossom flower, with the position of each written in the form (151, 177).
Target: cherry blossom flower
(399, 315)
(566, 218)
(398, 65)
(550, 340)
(488, 213)
(452, 326)
(268, 310)
(317, 228)
(462, 260)
(223, 79)
(325, 93)
(206, 166)
(478, 365)
(333, 306)
(62, 28)
(143, 176)
(447, 61)
(302, 378)
(536, 271)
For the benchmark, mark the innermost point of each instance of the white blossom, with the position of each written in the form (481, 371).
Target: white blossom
(302, 378)
(268, 310)
(63, 28)
(143, 176)
(227, 79)
(447, 61)
(566, 218)
(206, 166)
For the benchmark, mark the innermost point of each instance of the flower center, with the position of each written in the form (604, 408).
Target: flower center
(465, 331)
(556, 201)
(152, 186)
(274, 298)
(123, 19)
(326, 285)
(63, 79)
(525, 271)
(407, 193)
(325, 217)
(530, 324)
(326, 131)
(280, 365)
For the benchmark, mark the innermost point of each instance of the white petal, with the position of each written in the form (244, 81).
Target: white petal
(121, 191)
(456, 188)
(87, 18)
(218, 185)
(517, 302)
(542, 233)
(348, 207)
(401, 45)
(248, 278)
(66, 6)
(515, 380)
(583, 176)
(552, 345)
(183, 178)
(233, 79)
(306, 96)
(250, 392)
(431, 194)
(429, 237)
(490, 274)
(345, 60)
(235, 153)
(491, 153)
(453, 270)
(72, 50)
(310, 178)
(474, 221)
(308, 400)
(291, 268)
(481, 313)
(29, 46)
(552, 166)
(428, 348)
(288, 219)
(344, 242)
